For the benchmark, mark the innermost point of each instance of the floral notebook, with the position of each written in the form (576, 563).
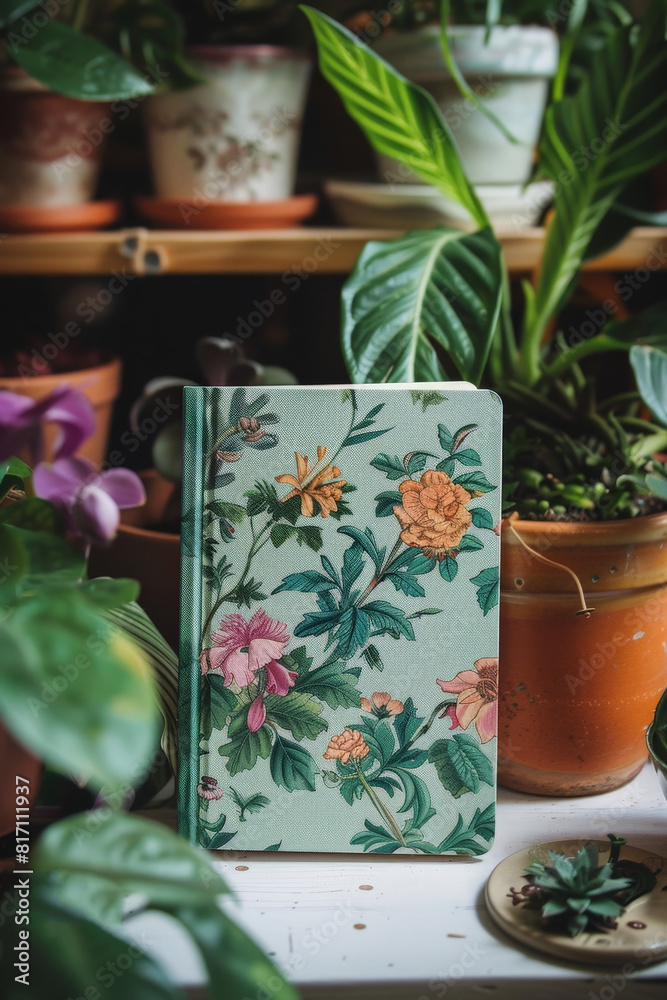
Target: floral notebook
(339, 621)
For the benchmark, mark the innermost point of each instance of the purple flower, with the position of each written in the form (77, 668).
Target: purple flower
(90, 500)
(22, 420)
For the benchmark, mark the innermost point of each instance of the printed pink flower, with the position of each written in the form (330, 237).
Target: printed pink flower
(22, 420)
(209, 789)
(241, 648)
(382, 704)
(477, 700)
(90, 500)
(257, 714)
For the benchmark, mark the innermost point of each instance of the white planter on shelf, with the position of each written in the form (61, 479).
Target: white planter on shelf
(236, 137)
(510, 74)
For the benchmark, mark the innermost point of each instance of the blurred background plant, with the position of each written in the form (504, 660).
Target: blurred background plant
(88, 686)
(436, 304)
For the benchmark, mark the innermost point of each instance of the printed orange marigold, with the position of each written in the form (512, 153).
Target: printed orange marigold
(434, 515)
(350, 743)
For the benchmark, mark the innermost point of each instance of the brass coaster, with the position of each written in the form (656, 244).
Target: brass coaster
(639, 939)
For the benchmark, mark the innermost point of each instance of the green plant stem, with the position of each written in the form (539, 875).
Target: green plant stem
(422, 732)
(595, 345)
(379, 805)
(257, 544)
(393, 556)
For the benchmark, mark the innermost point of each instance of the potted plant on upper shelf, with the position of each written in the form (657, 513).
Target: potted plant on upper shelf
(576, 691)
(62, 66)
(224, 154)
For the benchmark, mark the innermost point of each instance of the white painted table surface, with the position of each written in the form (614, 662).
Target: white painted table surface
(426, 933)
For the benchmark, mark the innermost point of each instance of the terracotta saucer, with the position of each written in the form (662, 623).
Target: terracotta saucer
(639, 938)
(63, 218)
(173, 213)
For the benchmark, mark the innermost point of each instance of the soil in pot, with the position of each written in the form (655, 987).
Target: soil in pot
(577, 693)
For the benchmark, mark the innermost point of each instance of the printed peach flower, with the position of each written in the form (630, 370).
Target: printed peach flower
(350, 743)
(477, 700)
(319, 484)
(382, 704)
(209, 789)
(434, 516)
(241, 648)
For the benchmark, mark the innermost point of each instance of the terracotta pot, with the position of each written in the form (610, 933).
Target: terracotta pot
(100, 384)
(50, 145)
(146, 554)
(236, 137)
(16, 762)
(577, 693)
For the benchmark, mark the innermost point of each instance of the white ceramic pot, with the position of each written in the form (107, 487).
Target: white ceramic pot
(50, 145)
(236, 137)
(510, 75)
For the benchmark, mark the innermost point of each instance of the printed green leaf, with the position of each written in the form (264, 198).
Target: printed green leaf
(292, 767)
(332, 684)
(461, 765)
(417, 461)
(362, 438)
(297, 712)
(297, 660)
(448, 569)
(461, 839)
(308, 582)
(353, 565)
(274, 847)
(447, 466)
(386, 503)
(353, 631)
(470, 544)
(372, 657)
(217, 842)
(393, 468)
(223, 701)
(475, 482)
(481, 517)
(407, 584)
(417, 798)
(230, 511)
(446, 438)
(318, 622)
(488, 588)
(467, 456)
(310, 536)
(367, 541)
(244, 748)
(427, 398)
(386, 617)
(407, 723)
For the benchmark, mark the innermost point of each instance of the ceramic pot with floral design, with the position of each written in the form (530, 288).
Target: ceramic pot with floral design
(236, 137)
(50, 145)
(577, 693)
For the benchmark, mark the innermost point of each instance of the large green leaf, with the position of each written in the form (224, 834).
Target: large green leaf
(650, 368)
(461, 765)
(75, 691)
(398, 117)
(333, 684)
(594, 143)
(76, 65)
(124, 854)
(70, 957)
(245, 747)
(427, 290)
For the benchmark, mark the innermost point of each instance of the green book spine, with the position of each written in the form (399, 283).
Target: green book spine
(191, 613)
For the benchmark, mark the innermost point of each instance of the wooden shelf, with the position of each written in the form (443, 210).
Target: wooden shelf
(309, 250)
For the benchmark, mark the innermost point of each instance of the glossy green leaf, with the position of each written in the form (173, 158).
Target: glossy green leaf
(594, 143)
(428, 291)
(70, 956)
(51, 558)
(106, 593)
(150, 32)
(131, 855)
(33, 514)
(292, 767)
(76, 692)
(650, 368)
(76, 65)
(399, 118)
(14, 563)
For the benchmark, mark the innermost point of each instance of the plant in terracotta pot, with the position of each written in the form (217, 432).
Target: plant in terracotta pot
(78, 690)
(577, 691)
(234, 140)
(66, 71)
(148, 543)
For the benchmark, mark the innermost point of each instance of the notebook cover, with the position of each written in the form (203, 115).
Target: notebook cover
(339, 618)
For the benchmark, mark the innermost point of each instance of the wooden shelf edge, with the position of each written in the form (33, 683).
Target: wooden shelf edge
(304, 250)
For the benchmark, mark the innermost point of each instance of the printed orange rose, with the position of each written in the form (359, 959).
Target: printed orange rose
(350, 743)
(434, 516)
(316, 484)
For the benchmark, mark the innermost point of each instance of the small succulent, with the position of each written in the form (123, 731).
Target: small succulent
(578, 894)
